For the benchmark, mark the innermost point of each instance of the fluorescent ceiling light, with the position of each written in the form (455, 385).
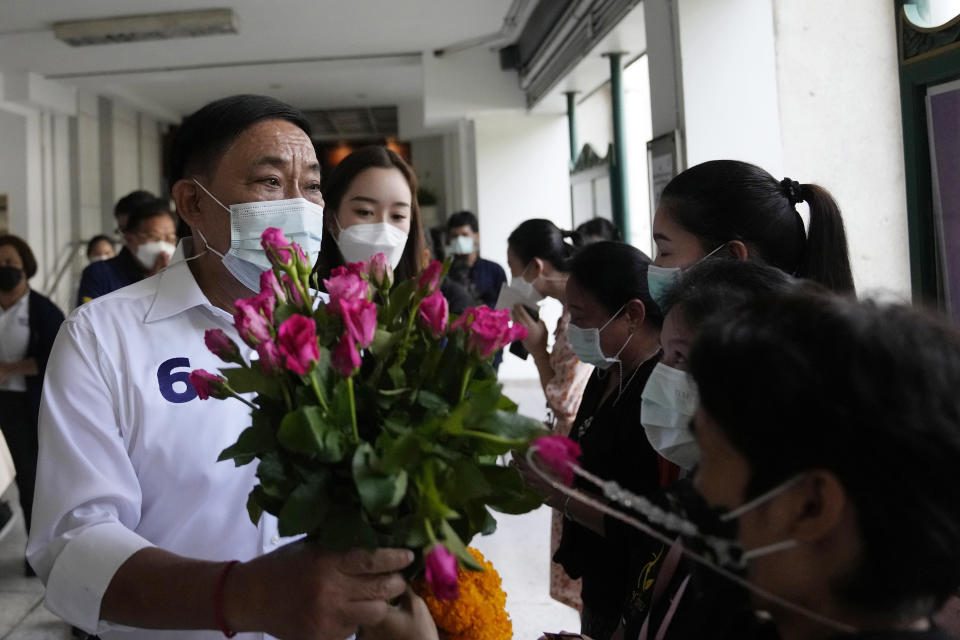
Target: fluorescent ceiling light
(154, 26)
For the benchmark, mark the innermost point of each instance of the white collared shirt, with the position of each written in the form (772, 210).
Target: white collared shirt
(128, 452)
(15, 339)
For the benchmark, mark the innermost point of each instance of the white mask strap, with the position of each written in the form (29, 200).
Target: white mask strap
(211, 195)
(733, 514)
(768, 549)
(622, 307)
(206, 245)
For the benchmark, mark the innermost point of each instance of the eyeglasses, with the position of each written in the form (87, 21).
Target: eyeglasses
(150, 237)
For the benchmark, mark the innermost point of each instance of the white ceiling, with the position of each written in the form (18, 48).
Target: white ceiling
(331, 53)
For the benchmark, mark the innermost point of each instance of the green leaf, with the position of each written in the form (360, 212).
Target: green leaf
(378, 491)
(283, 312)
(252, 442)
(467, 483)
(506, 404)
(268, 503)
(432, 402)
(384, 342)
(273, 476)
(341, 405)
(456, 546)
(510, 494)
(511, 425)
(305, 509)
(307, 431)
(254, 510)
(484, 396)
(397, 376)
(481, 520)
(402, 453)
(244, 380)
(343, 529)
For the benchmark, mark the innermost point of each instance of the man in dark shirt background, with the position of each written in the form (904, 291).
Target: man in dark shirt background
(150, 238)
(482, 277)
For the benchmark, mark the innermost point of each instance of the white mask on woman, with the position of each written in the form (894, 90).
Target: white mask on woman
(669, 401)
(360, 242)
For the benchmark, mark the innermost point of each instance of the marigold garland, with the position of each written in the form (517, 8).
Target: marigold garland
(480, 611)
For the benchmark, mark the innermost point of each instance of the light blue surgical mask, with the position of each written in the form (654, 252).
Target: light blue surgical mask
(586, 344)
(661, 279)
(461, 246)
(300, 220)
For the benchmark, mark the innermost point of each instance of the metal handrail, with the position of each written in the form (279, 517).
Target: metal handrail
(70, 251)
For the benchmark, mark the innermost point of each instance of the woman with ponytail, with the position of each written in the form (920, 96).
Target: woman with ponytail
(732, 207)
(538, 257)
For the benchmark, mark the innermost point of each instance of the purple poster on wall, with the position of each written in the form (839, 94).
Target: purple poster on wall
(943, 110)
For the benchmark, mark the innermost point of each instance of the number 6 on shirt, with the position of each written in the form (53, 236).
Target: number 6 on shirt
(166, 377)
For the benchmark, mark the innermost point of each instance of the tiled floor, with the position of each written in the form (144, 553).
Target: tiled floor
(519, 550)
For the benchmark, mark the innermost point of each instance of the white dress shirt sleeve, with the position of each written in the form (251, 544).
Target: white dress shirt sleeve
(88, 497)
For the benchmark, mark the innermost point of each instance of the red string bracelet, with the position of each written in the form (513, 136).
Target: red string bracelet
(218, 599)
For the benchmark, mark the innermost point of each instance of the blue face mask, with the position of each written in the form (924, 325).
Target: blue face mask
(661, 279)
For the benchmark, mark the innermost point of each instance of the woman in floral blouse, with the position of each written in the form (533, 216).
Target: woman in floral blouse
(537, 255)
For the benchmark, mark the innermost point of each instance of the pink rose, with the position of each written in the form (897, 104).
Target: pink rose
(222, 346)
(297, 338)
(488, 330)
(434, 312)
(252, 325)
(269, 282)
(380, 272)
(430, 278)
(345, 358)
(208, 385)
(291, 286)
(441, 573)
(346, 285)
(359, 320)
(559, 453)
(271, 360)
(277, 246)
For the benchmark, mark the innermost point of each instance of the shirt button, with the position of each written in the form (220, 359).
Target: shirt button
(275, 540)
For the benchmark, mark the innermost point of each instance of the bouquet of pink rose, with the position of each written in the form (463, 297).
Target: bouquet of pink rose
(376, 420)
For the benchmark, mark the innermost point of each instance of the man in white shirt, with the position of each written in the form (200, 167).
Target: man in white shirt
(135, 524)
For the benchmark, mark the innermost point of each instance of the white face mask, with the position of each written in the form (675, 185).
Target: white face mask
(586, 344)
(519, 291)
(148, 253)
(669, 401)
(300, 220)
(461, 246)
(360, 242)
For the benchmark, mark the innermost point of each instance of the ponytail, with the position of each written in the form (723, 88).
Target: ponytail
(826, 258)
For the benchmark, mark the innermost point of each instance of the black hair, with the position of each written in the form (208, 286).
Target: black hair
(129, 202)
(539, 238)
(463, 219)
(336, 184)
(24, 251)
(724, 200)
(718, 283)
(595, 230)
(95, 240)
(867, 392)
(615, 273)
(152, 208)
(204, 135)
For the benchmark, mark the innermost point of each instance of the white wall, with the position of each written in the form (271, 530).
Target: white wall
(729, 81)
(594, 122)
(638, 130)
(522, 173)
(841, 126)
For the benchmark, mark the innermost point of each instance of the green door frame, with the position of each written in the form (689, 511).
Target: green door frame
(916, 75)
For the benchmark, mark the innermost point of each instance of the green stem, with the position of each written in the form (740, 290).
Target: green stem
(431, 535)
(319, 393)
(242, 399)
(483, 435)
(286, 397)
(467, 375)
(353, 410)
